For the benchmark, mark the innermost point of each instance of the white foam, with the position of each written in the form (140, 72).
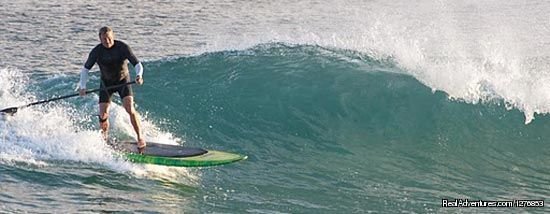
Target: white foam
(51, 133)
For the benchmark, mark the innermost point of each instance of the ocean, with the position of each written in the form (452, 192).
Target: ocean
(340, 106)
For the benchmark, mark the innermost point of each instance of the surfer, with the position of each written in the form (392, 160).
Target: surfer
(112, 56)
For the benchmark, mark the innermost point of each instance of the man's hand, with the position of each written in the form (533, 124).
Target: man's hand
(82, 92)
(139, 80)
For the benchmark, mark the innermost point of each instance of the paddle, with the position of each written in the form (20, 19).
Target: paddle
(13, 110)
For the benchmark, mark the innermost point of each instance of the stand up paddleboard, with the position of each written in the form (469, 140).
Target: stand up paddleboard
(174, 155)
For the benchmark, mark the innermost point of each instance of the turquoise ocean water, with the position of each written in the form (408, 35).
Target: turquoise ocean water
(341, 107)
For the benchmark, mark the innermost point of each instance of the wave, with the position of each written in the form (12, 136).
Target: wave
(329, 112)
(308, 114)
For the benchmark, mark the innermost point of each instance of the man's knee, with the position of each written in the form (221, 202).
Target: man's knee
(129, 109)
(128, 103)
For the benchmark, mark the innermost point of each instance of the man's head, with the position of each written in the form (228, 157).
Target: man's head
(107, 37)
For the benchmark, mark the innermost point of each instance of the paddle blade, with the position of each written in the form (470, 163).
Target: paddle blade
(10, 111)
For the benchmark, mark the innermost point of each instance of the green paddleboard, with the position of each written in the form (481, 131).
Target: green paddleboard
(175, 155)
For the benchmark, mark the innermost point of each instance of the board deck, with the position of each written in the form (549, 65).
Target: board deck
(158, 149)
(175, 155)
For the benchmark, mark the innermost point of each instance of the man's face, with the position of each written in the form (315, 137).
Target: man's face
(107, 39)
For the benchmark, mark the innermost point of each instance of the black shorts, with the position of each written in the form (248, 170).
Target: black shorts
(123, 91)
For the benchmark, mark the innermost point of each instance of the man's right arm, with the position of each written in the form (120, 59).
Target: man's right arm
(83, 79)
(92, 58)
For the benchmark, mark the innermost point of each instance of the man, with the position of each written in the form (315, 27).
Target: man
(112, 56)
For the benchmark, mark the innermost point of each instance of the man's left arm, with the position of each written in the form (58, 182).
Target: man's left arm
(137, 65)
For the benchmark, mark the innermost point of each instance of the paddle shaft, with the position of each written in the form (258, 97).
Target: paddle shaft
(14, 109)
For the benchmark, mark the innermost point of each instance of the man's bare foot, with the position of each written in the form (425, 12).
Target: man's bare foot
(141, 145)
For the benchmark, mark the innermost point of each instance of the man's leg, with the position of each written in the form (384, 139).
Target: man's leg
(104, 120)
(128, 103)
